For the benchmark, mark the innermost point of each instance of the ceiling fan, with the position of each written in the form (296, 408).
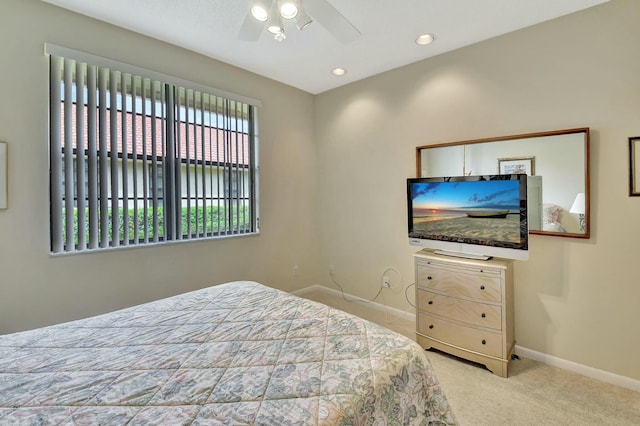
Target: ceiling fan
(270, 14)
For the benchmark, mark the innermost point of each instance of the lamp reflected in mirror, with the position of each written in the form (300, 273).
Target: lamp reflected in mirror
(578, 208)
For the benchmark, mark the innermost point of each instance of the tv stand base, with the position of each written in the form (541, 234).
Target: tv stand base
(462, 254)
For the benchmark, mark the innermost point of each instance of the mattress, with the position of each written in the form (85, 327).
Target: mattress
(238, 353)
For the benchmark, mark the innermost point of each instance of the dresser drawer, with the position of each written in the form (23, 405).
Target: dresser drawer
(473, 313)
(481, 341)
(478, 285)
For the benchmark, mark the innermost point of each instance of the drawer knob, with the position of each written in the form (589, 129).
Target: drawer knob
(484, 315)
(430, 326)
(430, 302)
(481, 287)
(484, 342)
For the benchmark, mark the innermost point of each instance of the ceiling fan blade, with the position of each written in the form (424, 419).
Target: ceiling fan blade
(329, 17)
(251, 28)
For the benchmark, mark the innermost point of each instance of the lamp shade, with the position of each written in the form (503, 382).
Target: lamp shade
(578, 204)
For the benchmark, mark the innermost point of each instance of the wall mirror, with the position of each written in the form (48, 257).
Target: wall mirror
(557, 163)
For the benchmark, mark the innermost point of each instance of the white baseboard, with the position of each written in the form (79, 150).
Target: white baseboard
(594, 373)
(411, 316)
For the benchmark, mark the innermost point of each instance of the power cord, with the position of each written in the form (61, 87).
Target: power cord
(406, 296)
(384, 273)
(379, 293)
(352, 300)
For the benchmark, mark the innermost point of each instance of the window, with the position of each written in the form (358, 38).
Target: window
(75, 183)
(156, 185)
(139, 158)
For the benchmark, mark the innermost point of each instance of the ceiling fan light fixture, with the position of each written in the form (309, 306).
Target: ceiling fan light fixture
(275, 29)
(274, 22)
(259, 12)
(270, 15)
(288, 9)
(425, 39)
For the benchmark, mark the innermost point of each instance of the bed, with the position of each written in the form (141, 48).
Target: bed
(237, 353)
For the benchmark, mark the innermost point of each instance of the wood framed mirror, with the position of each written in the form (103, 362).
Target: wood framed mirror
(557, 163)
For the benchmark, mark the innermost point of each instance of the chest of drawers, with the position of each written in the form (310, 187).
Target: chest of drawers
(465, 308)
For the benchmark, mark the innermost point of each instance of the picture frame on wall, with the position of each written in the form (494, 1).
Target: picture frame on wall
(3, 175)
(634, 166)
(517, 165)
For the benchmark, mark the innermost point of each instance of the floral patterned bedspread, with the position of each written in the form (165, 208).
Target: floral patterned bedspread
(238, 353)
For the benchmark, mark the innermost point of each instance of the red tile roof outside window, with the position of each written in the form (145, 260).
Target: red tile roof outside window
(215, 146)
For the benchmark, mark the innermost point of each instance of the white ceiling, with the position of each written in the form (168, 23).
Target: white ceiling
(305, 59)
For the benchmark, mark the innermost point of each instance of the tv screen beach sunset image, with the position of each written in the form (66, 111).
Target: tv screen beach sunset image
(480, 210)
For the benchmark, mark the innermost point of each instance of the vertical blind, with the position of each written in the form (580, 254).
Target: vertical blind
(136, 160)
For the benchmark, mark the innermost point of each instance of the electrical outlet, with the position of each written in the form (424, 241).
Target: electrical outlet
(295, 270)
(386, 283)
(330, 269)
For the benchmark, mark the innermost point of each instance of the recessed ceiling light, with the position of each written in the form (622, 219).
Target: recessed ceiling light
(338, 71)
(425, 39)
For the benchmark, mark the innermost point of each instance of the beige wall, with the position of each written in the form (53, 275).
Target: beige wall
(578, 300)
(36, 289)
(575, 299)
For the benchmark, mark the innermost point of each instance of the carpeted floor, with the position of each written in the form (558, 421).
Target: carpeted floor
(534, 394)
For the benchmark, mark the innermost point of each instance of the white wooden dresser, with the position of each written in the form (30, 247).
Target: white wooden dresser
(465, 308)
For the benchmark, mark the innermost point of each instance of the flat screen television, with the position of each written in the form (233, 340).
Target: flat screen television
(470, 216)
